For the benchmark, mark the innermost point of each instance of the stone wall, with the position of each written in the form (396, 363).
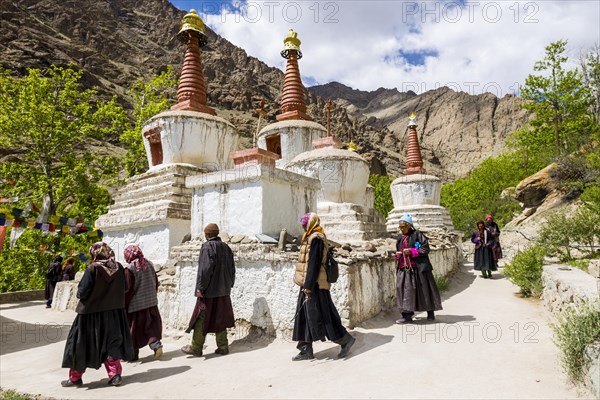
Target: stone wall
(17, 297)
(264, 296)
(566, 287)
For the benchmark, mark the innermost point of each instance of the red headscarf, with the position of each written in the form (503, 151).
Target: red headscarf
(134, 256)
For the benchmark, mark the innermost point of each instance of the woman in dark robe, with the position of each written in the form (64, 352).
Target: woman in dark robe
(484, 256)
(100, 333)
(316, 315)
(53, 275)
(416, 289)
(68, 270)
(495, 231)
(145, 323)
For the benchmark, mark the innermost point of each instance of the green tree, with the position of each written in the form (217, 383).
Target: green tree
(23, 267)
(471, 198)
(590, 69)
(560, 103)
(150, 98)
(55, 129)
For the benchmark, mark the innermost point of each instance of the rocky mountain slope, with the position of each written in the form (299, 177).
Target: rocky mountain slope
(456, 130)
(118, 41)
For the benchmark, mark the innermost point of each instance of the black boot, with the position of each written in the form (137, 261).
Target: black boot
(406, 317)
(430, 316)
(306, 352)
(136, 355)
(346, 342)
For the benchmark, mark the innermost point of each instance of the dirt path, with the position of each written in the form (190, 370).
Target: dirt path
(486, 343)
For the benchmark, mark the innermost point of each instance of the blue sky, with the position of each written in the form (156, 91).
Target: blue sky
(479, 46)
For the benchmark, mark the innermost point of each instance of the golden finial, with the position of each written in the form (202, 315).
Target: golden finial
(412, 121)
(191, 22)
(352, 146)
(291, 42)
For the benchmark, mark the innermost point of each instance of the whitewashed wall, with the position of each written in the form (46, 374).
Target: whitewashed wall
(296, 137)
(194, 138)
(155, 240)
(251, 199)
(417, 189)
(343, 174)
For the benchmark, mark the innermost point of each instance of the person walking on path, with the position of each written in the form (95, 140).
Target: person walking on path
(213, 312)
(145, 323)
(416, 289)
(68, 270)
(53, 275)
(316, 315)
(100, 333)
(484, 257)
(495, 231)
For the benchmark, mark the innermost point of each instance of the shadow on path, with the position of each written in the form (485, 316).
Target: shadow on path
(17, 336)
(365, 341)
(38, 303)
(459, 281)
(255, 340)
(166, 356)
(150, 375)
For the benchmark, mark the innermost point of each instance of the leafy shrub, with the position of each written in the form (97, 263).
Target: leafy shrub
(383, 196)
(12, 395)
(525, 271)
(573, 332)
(561, 232)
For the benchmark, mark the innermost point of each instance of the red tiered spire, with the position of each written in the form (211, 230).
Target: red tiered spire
(191, 93)
(293, 100)
(414, 162)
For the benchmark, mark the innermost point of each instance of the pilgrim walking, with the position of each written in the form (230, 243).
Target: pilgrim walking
(100, 333)
(316, 315)
(484, 256)
(213, 312)
(53, 275)
(141, 300)
(416, 289)
(495, 231)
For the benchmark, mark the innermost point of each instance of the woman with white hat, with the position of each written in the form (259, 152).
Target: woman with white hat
(416, 289)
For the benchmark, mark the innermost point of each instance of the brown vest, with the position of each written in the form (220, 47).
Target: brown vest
(302, 264)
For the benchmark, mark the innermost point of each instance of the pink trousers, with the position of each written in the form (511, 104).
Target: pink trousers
(113, 367)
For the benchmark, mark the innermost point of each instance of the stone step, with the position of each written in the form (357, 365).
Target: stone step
(354, 237)
(347, 217)
(162, 188)
(149, 206)
(149, 198)
(341, 208)
(356, 226)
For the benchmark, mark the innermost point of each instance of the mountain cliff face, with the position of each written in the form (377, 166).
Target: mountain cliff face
(117, 41)
(456, 130)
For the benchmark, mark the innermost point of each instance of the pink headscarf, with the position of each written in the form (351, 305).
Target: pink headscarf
(134, 256)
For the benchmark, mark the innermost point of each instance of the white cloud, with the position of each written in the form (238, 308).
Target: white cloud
(489, 45)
